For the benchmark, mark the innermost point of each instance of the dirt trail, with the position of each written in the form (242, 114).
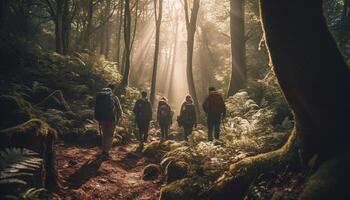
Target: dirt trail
(117, 178)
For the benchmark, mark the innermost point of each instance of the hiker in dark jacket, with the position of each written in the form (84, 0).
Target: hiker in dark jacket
(188, 117)
(214, 107)
(164, 117)
(108, 112)
(143, 116)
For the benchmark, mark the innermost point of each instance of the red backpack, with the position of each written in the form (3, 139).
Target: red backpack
(216, 104)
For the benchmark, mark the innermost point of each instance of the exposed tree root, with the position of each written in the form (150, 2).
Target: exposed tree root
(234, 183)
(38, 136)
(330, 181)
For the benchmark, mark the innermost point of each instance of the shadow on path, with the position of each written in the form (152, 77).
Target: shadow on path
(88, 170)
(130, 160)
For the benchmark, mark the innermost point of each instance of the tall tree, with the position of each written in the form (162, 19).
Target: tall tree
(158, 21)
(59, 12)
(119, 32)
(314, 79)
(238, 71)
(105, 34)
(127, 40)
(191, 23)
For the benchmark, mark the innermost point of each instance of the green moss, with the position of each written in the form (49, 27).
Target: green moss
(176, 170)
(151, 148)
(38, 136)
(180, 189)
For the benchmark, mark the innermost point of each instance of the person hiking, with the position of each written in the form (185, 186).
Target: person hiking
(164, 117)
(108, 112)
(188, 117)
(143, 116)
(215, 109)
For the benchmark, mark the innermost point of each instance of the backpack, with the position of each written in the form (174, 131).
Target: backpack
(105, 109)
(164, 113)
(187, 115)
(216, 104)
(143, 110)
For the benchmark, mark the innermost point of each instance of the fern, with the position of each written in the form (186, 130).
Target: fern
(17, 168)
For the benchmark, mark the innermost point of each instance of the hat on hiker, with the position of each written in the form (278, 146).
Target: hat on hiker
(188, 98)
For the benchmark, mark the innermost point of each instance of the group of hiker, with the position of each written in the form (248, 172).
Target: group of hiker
(108, 112)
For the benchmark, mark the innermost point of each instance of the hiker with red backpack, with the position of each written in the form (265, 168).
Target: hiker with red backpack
(188, 116)
(108, 112)
(164, 117)
(214, 107)
(143, 116)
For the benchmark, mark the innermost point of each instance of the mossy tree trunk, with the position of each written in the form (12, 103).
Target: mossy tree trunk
(311, 72)
(315, 81)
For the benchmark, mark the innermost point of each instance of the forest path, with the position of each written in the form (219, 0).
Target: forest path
(120, 177)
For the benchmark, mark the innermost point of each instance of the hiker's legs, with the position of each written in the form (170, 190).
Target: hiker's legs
(166, 132)
(217, 128)
(143, 127)
(188, 131)
(162, 130)
(141, 130)
(146, 131)
(107, 134)
(210, 123)
(185, 133)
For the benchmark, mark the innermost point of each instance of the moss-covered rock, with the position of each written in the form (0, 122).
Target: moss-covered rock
(151, 149)
(151, 171)
(180, 189)
(176, 170)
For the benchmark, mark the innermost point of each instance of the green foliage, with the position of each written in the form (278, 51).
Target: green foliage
(19, 169)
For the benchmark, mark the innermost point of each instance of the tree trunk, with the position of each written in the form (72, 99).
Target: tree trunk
(87, 32)
(238, 71)
(158, 20)
(127, 31)
(311, 72)
(119, 34)
(314, 79)
(191, 23)
(106, 31)
(66, 26)
(59, 27)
